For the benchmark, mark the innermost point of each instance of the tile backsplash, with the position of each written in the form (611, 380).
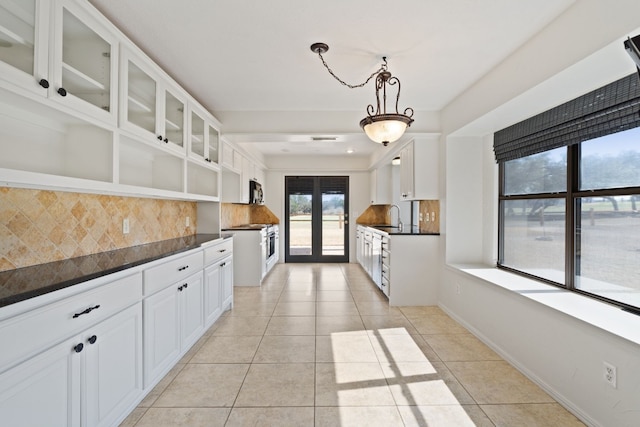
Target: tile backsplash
(39, 226)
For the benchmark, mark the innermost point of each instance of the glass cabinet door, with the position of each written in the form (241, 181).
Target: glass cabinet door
(213, 144)
(197, 135)
(86, 63)
(141, 98)
(23, 43)
(174, 120)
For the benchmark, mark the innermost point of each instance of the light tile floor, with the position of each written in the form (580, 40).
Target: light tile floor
(318, 345)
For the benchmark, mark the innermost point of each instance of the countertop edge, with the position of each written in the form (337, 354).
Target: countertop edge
(202, 240)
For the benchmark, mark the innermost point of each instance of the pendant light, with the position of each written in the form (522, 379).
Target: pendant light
(380, 125)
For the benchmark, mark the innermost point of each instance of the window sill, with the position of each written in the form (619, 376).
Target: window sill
(607, 317)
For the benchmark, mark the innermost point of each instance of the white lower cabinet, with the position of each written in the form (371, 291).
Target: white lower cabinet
(173, 321)
(218, 280)
(86, 360)
(86, 380)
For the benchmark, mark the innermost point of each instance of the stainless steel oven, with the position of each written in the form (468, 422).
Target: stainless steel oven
(271, 242)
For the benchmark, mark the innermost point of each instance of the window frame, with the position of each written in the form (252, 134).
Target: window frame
(572, 217)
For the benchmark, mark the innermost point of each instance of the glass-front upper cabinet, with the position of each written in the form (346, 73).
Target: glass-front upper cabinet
(149, 107)
(172, 128)
(84, 62)
(78, 72)
(214, 144)
(24, 33)
(204, 137)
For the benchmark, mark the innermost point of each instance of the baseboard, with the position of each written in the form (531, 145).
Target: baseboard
(561, 399)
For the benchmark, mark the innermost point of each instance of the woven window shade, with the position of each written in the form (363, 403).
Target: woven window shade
(610, 109)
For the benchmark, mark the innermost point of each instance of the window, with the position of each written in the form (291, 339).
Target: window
(569, 215)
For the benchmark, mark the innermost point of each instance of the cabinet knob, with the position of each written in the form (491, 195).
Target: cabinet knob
(44, 83)
(92, 339)
(159, 137)
(62, 91)
(78, 348)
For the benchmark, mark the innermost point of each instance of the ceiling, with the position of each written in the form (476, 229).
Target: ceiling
(249, 61)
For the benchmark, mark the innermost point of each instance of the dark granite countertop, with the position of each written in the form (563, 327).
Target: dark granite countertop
(29, 282)
(247, 227)
(406, 231)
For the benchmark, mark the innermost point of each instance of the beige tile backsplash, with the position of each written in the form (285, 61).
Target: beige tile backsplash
(39, 226)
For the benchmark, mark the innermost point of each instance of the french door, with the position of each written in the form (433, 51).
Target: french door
(316, 219)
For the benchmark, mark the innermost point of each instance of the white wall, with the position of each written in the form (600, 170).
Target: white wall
(578, 52)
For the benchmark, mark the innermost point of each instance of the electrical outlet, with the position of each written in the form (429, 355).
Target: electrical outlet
(125, 226)
(610, 374)
(187, 222)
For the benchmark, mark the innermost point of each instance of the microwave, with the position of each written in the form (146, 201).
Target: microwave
(255, 192)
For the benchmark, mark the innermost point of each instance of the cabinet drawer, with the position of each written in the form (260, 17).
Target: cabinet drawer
(159, 277)
(32, 332)
(218, 251)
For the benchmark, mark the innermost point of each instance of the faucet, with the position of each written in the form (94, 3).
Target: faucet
(399, 221)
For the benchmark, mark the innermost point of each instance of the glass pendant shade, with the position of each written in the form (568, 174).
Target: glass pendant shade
(385, 128)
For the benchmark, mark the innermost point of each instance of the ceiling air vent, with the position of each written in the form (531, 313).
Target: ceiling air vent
(324, 138)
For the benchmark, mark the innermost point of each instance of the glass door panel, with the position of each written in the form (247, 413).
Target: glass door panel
(174, 119)
(213, 144)
(17, 34)
(86, 63)
(333, 224)
(300, 221)
(141, 98)
(197, 135)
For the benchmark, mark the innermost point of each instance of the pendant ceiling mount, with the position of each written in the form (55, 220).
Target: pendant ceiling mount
(380, 126)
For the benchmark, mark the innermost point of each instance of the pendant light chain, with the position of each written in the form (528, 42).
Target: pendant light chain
(382, 68)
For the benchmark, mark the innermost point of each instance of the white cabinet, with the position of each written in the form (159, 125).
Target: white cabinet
(77, 70)
(24, 31)
(419, 170)
(85, 54)
(218, 292)
(226, 275)
(407, 181)
(381, 186)
(218, 280)
(89, 379)
(52, 379)
(113, 363)
(151, 107)
(204, 137)
(173, 321)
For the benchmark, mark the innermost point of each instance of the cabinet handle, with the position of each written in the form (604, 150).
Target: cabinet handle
(166, 140)
(186, 285)
(78, 347)
(87, 311)
(180, 288)
(222, 250)
(223, 264)
(93, 339)
(184, 267)
(207, 160)
(62, 91)
(44, 83)
(159, 137)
